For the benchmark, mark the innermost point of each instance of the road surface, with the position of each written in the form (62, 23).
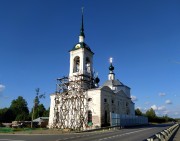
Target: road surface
(128, 134)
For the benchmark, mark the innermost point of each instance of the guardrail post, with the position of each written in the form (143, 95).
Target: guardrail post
(165, 134)
(158, 136)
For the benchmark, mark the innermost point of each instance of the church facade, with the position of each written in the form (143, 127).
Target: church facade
(79, 101)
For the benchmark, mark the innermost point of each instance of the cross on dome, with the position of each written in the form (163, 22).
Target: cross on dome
(111, 60)
(111, 67)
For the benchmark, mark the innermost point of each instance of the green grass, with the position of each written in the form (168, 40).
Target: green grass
(11, 130)
(5, 130)
(23, 130)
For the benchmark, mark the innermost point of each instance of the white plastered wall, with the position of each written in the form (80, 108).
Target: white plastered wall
(51, 113)
(95, 106)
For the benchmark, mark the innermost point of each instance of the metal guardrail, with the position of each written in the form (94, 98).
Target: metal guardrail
(164, 135)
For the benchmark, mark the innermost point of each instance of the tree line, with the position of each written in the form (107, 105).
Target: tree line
(18, 111)
(152, 117)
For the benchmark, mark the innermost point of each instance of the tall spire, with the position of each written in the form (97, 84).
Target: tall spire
(82, 35)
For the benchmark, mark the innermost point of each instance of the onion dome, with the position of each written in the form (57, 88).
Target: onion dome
(111, 68)
(97, 80)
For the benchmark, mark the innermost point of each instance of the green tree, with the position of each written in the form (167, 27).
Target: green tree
(19, 109)
(2, 114)
(151, 114)
(6, 115)
(42, 110)
(39, 111)
(138, 112)
(46, 113)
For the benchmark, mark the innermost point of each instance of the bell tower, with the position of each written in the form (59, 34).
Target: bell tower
(81, 57)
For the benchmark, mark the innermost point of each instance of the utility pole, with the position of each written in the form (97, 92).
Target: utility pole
(36, 103)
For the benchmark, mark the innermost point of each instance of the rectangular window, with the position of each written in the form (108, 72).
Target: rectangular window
(105, 100)
(89, 117)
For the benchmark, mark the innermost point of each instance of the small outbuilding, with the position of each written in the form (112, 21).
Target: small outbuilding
(41, 121)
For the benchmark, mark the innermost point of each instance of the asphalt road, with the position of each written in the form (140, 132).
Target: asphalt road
(128, 134)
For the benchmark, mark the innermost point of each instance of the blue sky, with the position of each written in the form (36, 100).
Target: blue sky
(143, 37)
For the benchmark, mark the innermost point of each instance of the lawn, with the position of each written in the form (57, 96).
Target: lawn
(6, 130)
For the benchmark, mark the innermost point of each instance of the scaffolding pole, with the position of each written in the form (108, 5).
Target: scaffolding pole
(71, 102)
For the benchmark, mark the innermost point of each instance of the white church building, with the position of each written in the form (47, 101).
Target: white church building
(79, 101)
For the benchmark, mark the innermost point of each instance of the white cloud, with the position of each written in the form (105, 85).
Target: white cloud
(147, 102)
(161, 108)
(134, 98)
(168, 101)
(2, 87)
(154, 107)
(166, 112)
(145, 109)
(162, 94)
(157, 113)
(176, 113)
(138, 108)
(162, 113)
(177, 62)
(142, 109)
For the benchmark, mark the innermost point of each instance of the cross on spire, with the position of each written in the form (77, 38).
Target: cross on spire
(111, 60)
(82, 9)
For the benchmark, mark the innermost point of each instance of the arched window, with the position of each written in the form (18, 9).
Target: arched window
(88, 65)
(89, 99)
(89, 116)
(76, 64)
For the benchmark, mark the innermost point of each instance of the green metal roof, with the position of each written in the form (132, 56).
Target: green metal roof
(81, 45)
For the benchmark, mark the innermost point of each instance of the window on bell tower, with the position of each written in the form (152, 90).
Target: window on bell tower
(76, 64)
(88, 65)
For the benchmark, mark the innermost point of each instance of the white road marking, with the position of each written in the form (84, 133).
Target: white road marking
(86, 135)
(123, 134)
(10, 140)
